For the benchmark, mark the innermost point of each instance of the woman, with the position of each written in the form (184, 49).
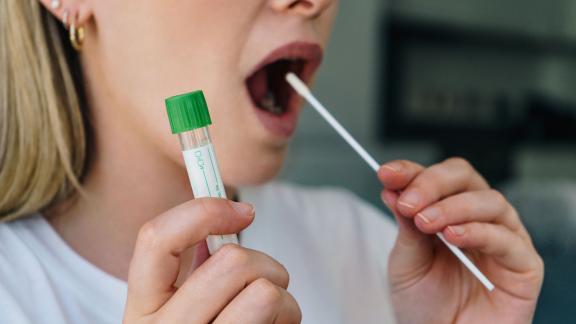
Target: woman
(96, 193)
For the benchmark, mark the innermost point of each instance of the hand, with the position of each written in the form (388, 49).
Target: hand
(428, 283)
(235, 285)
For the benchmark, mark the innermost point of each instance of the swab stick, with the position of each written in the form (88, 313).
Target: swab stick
(305, 92)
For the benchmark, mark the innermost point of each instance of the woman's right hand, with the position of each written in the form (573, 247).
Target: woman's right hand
(235, 285)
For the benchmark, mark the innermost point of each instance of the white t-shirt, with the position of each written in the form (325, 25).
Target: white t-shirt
(334, 246)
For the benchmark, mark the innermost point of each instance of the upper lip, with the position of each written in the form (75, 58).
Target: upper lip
(310, 53)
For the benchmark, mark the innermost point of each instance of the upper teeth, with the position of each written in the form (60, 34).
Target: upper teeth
(269, 103)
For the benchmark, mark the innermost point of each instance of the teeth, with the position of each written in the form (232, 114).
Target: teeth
(269, 103)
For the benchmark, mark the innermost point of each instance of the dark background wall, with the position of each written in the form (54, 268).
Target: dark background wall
(491, 80)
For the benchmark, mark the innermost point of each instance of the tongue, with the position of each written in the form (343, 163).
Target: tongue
(258, 84)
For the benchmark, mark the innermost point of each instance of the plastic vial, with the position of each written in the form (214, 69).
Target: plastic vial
(189, 118)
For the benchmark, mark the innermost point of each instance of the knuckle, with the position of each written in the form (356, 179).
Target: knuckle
(148, 235)
(233, 256)
(538, 270)
(213, 207)
(459, 162)
(293, 307)
(462, 167)
(431, 176)
(284, 275)
(297, 310)
(265, 292)
(540, 264)
(498, 197)
(433, 173)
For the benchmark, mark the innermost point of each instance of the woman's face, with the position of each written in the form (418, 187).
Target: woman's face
(139, 52)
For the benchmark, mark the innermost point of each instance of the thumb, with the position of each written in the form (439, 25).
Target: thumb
(413, 250)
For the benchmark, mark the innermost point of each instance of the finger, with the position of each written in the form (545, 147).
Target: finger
(156, 261)
(408, 232)
(215, 283)
(261, 302)
(412, 251)
(396, 175)
(497, 241)
(438, 181)
(473, 206)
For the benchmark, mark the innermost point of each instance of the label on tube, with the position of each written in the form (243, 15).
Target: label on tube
(206, 182)
(203, 172)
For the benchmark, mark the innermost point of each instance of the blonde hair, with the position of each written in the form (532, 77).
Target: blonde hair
(42, 129)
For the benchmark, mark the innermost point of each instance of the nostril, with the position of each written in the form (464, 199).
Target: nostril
(302, 3)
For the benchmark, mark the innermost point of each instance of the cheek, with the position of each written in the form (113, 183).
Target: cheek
(245, 155)
(326, 22)
(249, 165)
(150, 50)
(147, 51)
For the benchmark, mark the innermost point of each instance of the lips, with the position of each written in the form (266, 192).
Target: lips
(275, 102)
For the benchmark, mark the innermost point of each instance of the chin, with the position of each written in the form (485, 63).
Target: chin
(253, 173)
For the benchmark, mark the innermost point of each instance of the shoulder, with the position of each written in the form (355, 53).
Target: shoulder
(21, 276)
(14, 248)
(19, 264)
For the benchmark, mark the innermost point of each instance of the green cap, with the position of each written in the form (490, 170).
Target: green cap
(187, 112)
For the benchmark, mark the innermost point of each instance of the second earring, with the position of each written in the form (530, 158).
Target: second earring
(76, 34)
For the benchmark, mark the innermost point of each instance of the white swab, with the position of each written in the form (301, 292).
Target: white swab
(303, 90)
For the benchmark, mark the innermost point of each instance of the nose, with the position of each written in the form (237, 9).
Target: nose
(306, 8)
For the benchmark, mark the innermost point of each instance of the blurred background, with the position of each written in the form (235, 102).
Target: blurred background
(493, 81)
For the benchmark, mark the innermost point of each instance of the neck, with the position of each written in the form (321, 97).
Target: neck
(128, 183)
(125, 187)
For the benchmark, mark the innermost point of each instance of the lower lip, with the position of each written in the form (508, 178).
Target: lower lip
(280, 125)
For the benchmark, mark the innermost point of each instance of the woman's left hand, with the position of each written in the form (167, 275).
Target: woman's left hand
(428, 283)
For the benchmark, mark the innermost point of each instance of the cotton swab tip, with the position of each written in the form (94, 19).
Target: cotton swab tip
(297, 84)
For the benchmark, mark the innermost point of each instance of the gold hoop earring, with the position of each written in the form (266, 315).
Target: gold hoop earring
(76, 36)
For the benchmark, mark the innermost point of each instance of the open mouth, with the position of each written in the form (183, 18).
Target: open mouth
(268, 89)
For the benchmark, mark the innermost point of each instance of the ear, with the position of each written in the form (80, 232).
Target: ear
(67, 11)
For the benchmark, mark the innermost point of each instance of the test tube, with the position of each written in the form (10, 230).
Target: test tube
(189, 118)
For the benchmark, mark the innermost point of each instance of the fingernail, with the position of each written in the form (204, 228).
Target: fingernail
(386, 202)
(410, 199)
(242, 208)
(457, 230)
(394, 167)
(429, 215)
